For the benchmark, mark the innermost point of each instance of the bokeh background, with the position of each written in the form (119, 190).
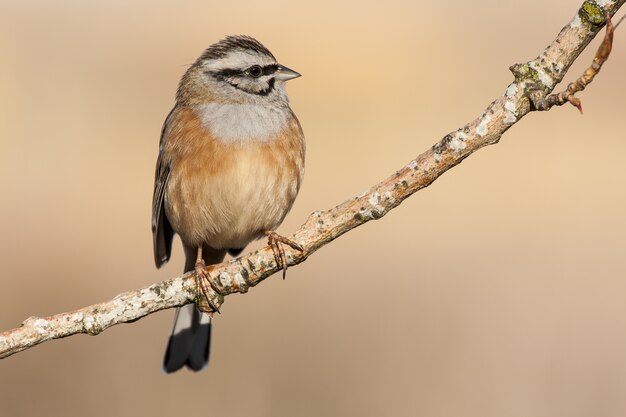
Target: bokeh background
(498, 291)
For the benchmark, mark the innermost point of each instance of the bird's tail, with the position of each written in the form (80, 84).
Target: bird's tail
(190, 342)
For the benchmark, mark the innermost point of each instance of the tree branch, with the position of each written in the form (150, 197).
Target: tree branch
(534, 80)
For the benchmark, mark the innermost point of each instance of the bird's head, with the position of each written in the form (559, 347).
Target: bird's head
(237, 69)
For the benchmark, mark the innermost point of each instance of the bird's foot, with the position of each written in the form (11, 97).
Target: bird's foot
(275, 241)
(202, 279)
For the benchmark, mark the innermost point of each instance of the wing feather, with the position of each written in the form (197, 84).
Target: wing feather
(162, 232)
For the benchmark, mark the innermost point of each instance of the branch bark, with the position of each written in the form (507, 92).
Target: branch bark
(534, 80)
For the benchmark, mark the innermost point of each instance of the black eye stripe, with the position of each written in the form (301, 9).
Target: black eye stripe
(222, 75)
(229, 72)
(270, 69)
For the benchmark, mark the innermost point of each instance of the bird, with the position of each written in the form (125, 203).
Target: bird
(229, 168)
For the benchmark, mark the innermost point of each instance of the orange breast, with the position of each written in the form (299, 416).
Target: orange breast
(226, 193)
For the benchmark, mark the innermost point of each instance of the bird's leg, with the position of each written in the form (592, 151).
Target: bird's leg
(202, 277)
(275, 241)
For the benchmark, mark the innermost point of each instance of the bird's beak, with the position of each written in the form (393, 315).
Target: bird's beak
(284, 73)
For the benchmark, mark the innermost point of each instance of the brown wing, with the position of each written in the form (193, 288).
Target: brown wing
(162, 232)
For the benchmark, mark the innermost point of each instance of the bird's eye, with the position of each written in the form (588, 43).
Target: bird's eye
(255, 71)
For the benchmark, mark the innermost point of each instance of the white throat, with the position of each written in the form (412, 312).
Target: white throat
(241, 122)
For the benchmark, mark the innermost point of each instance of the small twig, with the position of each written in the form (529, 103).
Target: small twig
(567, 96)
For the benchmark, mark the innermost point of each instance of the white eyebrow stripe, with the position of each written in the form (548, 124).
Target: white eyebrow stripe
(238, 59)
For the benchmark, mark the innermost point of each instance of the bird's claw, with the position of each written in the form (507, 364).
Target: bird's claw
(275, 241)
(202, 278)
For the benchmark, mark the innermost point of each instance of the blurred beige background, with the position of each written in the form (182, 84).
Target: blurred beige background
(505, 281)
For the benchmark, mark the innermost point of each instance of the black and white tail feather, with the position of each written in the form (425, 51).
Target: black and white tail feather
(190, 342)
